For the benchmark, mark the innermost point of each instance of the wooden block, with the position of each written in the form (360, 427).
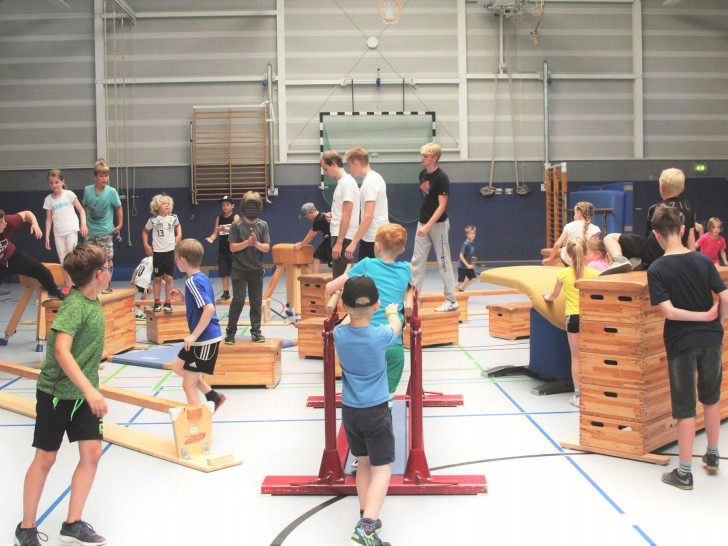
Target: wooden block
(431, 300)
(437, 328)
(630, 404)
(311, 340)
(118, 308)
(285, 254)
(163, 327)
(313, 295)
(509, 320)
(617, 307)
(246, 363)
(622, 339)
(623, 435)
(623, 371)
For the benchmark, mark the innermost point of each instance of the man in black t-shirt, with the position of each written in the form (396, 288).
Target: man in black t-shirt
(321, 222)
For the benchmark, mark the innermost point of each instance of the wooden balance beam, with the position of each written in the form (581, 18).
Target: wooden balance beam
(192, 426)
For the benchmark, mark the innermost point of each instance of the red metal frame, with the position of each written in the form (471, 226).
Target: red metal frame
(416, 480)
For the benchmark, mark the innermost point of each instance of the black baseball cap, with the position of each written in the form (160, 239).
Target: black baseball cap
(228, 199)
(360, 292)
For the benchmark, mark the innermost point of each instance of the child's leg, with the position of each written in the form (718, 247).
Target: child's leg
(574, 349)
(190, 381)
(686, 438)
(316, 266)
(372, 483)
(255, 296)
(468, 283)
(83, 478)
(611, 242)
(225, 284)
(395, 367)
(712, 423)
(157, 290)
(35, 480)
(168, 286)
(240, 286)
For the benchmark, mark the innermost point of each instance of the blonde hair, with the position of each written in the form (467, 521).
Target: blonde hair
(468, 229)
(332, 157)
(433, 149)
(357, 154)
(158, 200)
(673, 181)
(391, 237)
(713, 222)
(597, 245)
(576, 249)
(83, 262)
(587, 211)
(191, 250)
(100, 167)
(59, 174)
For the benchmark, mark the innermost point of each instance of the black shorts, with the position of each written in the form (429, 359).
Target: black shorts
(323, 252)
(51, 422)
(163, 263)
(638, 246)
(224, 264)
(369, 433)
(200, 358)
(465, 273)
(572, 324)
(708, 363)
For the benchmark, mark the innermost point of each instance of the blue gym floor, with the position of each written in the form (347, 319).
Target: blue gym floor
(538, 492)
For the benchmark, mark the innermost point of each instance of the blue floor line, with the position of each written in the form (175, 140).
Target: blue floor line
(10, 382)
(642, 533)
(575, 465)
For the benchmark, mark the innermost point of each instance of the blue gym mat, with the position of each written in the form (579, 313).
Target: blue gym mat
(399, 424)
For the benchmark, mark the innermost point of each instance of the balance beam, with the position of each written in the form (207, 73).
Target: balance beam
(192, 426)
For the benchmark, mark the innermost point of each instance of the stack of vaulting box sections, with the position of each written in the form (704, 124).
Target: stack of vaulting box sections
(313, 315)
(625, 390)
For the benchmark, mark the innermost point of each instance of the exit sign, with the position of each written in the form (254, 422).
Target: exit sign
(700, 168)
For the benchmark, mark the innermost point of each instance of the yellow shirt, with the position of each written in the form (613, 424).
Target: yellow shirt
(567, 278)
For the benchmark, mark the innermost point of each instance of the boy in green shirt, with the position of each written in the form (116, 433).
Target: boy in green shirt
(68, 399)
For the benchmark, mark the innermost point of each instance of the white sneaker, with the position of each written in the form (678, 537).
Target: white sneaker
(574, 400)
(447, 306)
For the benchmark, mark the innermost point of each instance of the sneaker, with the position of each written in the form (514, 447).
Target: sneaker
(257, 337)
(219, 401)
(355, 463)
(447, 306)
(619, 264)
(574, 400)
(229, 338)
(377, 525)
(65, 290)
(140, 316)
(711, 461)
(636, 264)
(167, 307)
(56, 295)
(29, 537)
(225, 296)
(80, 532)
(157, 307)
(675, 479)
(360, 538)
(108, 290)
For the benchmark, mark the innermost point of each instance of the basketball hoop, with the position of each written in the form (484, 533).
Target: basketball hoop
(389, 10)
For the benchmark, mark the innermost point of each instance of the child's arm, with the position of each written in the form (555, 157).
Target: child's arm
(30, 218)
(557, 248)
(133, 276)
(723, 305)
(119, 219)
(551, 296)
(49, 223)
(310, 236)
(212, 237)
(392, 314)
(82, 218)
(145, 240)
(178, 233)
(462, 259)
(722, 256)
(70, 367)
(669, 311)
(337, 283)
(208, 310)
(691, 239)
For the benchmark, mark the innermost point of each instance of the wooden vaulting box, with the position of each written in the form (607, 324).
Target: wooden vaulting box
(313, 295)
(163, 327)
(509, 320)
(246, 363)
(438, 328)
(432, 300)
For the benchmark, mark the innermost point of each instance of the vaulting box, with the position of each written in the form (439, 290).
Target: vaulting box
(437, 328)
(509, 320)
(614, 370)
(246, 363)
(118, 308)
(620, 338)
(432, 300)
(313, 295)
(624, 436)
(622, 403)
(311, 340)
(163, 327)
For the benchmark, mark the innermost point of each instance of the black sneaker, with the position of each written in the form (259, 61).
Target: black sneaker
(157, 307)
(57, 294)
(361, 538)
(225, 296)
(167, 307)
(229, 338)
(676, 480)
(257, 337)
(108, 290)
(712, 461)
(29, 537)
(80, 532)
(219, 401)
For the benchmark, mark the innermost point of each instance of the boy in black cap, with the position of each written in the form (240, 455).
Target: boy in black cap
(321, 223)
(364, 399)
(224, 256)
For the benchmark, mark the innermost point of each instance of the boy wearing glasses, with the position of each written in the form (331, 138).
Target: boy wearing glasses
(68, 400)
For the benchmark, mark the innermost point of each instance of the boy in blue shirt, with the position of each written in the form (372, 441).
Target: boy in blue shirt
(364, 394)
(682, 283)
(466, 269)
(199, 353)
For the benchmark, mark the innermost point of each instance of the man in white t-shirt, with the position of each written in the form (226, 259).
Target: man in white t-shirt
(374, 205)
(344, 210)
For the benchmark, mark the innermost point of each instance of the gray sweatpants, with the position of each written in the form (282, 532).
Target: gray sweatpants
(437, 236)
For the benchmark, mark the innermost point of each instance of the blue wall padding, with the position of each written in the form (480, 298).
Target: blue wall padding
(603, 199)
(628, 189)
(549, 354)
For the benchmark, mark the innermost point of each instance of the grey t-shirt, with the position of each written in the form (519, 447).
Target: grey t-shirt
(248, 259)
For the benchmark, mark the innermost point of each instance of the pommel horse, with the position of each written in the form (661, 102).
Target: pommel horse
(294, 263)
(331, 479)
(192, 426)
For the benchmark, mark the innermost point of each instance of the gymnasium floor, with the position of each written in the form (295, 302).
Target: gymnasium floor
(538, 492)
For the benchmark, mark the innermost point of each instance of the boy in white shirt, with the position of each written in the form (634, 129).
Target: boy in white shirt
(166, 232)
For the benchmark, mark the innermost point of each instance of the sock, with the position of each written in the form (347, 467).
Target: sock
(212, 396)
(713, 450)
(361, 513)
(367, 525)
(684, 468)
(577, 392)
(157, 302)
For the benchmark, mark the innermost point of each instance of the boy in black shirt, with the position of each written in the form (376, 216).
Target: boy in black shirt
(321, 222)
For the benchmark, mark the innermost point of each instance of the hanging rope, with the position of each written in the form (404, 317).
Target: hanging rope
(124, 116)
(489, 190)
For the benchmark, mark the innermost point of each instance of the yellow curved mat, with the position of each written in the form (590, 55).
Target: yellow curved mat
(532, 280)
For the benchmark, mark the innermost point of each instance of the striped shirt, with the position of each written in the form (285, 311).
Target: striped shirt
(198, 293)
